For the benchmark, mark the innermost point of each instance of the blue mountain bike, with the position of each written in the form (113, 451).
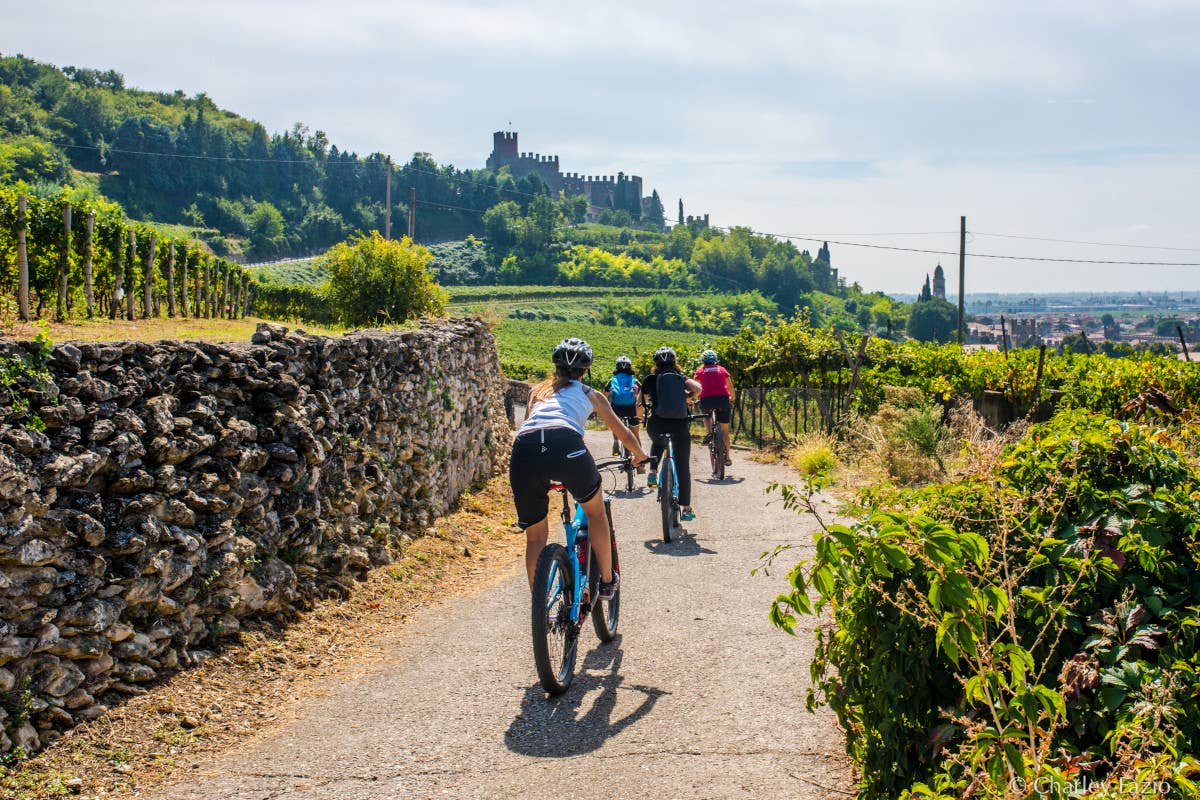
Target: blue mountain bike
(668, 484)
(565, 592)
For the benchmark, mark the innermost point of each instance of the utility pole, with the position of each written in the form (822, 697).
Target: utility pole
(412, 213)
(387, 214)
(962, 270)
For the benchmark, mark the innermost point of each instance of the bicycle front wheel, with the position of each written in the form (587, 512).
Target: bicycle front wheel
(666, 485)
(555, 635)
(606, 614)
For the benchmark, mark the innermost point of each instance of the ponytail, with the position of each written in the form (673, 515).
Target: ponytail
(560, 380)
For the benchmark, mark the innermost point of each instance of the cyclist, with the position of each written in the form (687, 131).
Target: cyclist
(666, 392)
(622, 391)
(716, 392)
(549, 447)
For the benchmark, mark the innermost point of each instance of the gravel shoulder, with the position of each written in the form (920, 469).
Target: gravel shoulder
(699, 697)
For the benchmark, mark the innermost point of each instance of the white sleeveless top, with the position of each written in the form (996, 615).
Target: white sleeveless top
(567, 408)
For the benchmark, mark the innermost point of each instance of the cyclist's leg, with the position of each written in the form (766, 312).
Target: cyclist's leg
(654, 431)
(683, 466)
(598, 534)
(529, 483)
(581, 478)
(535, 541)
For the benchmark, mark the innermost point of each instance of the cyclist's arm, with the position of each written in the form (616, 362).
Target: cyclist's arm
(692, 386)
(620, 430)
(729, 385)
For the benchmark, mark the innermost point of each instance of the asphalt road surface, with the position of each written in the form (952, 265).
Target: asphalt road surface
(699, 697)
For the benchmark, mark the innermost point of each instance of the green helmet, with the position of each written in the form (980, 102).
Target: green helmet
(709, 357)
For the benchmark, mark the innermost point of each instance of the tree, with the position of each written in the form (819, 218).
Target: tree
(265, 229)
(501, 223)
(654, 215)
(926, 294)
(374, 280)
(933, 321)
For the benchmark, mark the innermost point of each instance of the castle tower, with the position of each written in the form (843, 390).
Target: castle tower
(504, 149)
(939, 283)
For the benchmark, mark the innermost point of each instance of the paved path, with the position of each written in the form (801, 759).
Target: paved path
(698, 698)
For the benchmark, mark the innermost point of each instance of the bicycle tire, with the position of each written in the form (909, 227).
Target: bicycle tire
(666, 479)
(718, 451)
(552, 597)
(604, 621)
(628, 472)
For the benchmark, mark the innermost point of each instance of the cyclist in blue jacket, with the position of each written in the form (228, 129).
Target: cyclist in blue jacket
(623, 391)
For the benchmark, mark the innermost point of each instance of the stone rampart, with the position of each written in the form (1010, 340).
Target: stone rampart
(180, 488)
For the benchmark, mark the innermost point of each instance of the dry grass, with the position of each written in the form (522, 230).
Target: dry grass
(813, 455)
(257, 682)
(146, 330)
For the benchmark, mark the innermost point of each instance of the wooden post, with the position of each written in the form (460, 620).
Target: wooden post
(412, 213)
(1183, 343)
(1037, 380)
(208, 270)
(196, 309)
(183, 283)
(132, 283)
(148, 279)
(1003, 337)
(64, 264)
(171, 279)
(962, 271)
(118, 276)
(225, 297)
(22, 259)
(387, 203)
(249, 295)
(88, 246)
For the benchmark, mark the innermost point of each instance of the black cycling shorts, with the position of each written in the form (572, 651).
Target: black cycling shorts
(627, 413)
(544, 455)
(721, 403)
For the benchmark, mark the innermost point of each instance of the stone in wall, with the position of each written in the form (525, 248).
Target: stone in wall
(180, 488)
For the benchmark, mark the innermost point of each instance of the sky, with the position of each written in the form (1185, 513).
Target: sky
(861, 121)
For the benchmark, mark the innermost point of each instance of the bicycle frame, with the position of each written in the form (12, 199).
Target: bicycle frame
(668, 454)
(575, 530)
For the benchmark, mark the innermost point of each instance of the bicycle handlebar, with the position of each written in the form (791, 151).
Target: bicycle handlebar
(621, 463)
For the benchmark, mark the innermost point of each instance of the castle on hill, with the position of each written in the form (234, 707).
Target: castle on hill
(619, 192)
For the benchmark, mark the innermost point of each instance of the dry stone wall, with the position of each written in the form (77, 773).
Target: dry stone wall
(180, 488)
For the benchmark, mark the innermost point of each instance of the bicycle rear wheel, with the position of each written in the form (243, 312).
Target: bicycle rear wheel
(718, 452)
(555, 635)
(628, 471)
(666, 499)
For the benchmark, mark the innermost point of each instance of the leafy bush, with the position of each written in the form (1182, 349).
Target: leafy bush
(374, 280)
(1022, 630)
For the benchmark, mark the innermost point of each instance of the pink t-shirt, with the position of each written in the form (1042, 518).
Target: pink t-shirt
(713, 379)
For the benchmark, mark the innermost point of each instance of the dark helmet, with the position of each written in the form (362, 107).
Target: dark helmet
(574, 354)
(623, 362)
(664, 357)
(709, 357)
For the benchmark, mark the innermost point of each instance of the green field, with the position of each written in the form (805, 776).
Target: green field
(525, 345)
(301, 272)
(541, 303)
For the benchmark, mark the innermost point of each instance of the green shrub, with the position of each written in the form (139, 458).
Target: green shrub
(375, 280)
(1041, 621)
(813, 456)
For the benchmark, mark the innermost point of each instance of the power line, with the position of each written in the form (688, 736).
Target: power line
(1097, 244)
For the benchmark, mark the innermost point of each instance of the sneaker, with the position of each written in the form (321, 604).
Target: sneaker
(607, 591)
(616, 451)
(652, 480)
(728, 461)
(707, 438)
(688, 515)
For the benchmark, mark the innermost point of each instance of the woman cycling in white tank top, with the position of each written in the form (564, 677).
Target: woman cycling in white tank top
(549, 447)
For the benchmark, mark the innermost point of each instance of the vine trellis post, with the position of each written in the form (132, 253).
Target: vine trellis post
(89, 232)
(22, 259)
(64, 265)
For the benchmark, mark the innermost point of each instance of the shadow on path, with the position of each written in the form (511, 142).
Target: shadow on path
(682, 544)
(552, 727)
(726, 481)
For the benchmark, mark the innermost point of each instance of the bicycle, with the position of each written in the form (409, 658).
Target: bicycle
(718, 448)
(668, 485)
(558, 609)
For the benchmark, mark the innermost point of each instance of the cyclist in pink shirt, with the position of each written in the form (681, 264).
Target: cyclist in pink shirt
(716, 392)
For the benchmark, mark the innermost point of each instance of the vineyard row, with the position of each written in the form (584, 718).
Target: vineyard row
(86, 254)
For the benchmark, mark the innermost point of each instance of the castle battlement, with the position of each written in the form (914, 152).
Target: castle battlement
(620, 191)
